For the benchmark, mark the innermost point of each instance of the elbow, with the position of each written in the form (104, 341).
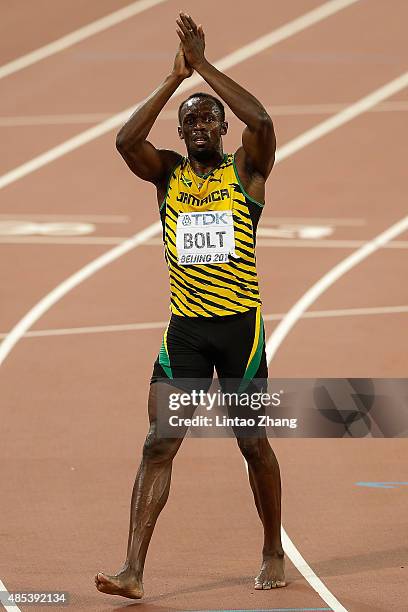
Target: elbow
(120, 142)
(267, 129)
(265, 123)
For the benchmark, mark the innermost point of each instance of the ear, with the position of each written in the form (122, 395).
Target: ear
(224, 128)
(180, 133)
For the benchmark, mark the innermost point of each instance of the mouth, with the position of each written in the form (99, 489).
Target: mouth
(200, 140)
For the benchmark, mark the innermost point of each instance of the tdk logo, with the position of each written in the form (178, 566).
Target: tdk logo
(186, 220)
(211, 218)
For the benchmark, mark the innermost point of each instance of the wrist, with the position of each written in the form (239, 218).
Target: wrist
(200, 65)
(175, 78)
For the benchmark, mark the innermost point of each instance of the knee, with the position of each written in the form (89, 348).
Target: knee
(251, 448)
(158, 450)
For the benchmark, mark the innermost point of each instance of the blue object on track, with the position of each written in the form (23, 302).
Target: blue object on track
(382, 485)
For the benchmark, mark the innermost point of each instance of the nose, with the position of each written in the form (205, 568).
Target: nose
(199, 124)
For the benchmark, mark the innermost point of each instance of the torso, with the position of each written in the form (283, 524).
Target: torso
(209, 227)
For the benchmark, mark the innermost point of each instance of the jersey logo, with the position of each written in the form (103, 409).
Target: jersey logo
(186, 181)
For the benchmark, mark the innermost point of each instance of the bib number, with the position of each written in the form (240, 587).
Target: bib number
(205, 237)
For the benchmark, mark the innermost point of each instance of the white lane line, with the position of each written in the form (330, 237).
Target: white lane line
(154, 242)
(76, 36)
(344, 116)
(304, 568)
(294, 314)
(70, 283)
(306, 571)
(124, 327)
(313, 221)
(284, 110)
(230, 60)
(324, 244)
(5, 595)
(54, 217)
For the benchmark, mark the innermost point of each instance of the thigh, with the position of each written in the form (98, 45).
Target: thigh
(241, 358)
(184, 355)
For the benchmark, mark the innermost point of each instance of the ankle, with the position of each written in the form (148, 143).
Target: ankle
(273, 553)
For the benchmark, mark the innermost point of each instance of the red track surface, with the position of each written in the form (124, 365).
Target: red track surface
(74, 407)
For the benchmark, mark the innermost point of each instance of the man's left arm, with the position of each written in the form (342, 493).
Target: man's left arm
(258, 138)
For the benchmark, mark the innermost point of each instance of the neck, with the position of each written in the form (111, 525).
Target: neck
(201, 166)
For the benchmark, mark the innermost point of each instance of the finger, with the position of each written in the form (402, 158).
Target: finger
(193, 24)
(181, 36)
(200, 32)
(186, 31)
(191, 27)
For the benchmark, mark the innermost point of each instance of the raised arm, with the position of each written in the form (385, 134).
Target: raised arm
(147, 162)
(258, 138)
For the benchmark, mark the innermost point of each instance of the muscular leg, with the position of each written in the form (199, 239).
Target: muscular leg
(150, 493)
(264, 478)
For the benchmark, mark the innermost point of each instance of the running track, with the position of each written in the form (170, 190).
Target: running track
(73, 406)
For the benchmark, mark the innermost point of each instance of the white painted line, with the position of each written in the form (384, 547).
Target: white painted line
(6, 594)
(73, 281)
(313, 221)
(36, 120)
(284, 110)
(155, 242)
(324, 244)
(230, 60)
(124, 327)
(77, 36)
(54, 217)
(344, 116)
(95, 329)
(306, 571)
(64, 240)
(294, 314)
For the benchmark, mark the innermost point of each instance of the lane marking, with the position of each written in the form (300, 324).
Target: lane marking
(344, 116)
(55, 217)
(381, 485)
(262, 242)
(232, 59)
(77, 36)
(293, 315)
(311, 314)
(340, 221)
(6, 595)
(287, 110)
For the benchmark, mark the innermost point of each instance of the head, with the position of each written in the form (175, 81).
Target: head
(202, 126)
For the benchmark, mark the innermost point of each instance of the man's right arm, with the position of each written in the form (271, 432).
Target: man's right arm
(147, 162)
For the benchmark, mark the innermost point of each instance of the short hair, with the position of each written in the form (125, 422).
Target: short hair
(200, 94)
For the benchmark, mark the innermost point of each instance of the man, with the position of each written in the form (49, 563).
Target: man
(215, 303)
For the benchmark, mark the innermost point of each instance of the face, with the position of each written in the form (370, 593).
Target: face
(202, 128)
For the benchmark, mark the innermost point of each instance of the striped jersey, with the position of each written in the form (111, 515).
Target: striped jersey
(209, 234)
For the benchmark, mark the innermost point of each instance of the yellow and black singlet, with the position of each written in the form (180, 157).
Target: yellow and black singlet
(209, 233)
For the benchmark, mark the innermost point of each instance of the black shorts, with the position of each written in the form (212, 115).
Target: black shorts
(234, 345)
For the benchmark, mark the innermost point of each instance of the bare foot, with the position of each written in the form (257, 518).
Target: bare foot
(124, 583)
(272, 574)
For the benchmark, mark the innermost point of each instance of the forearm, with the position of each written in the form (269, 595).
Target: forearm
(243, 104)
(137, 128)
